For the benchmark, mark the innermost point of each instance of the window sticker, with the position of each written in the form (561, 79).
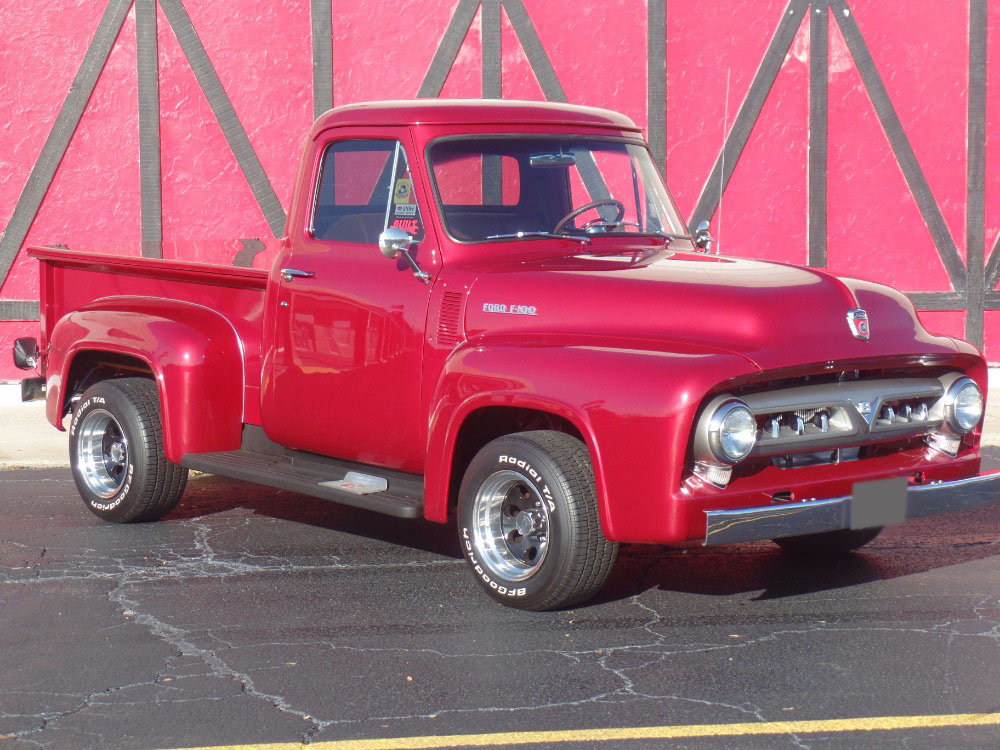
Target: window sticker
(402, 212)
(403, 193)
(402, 199)
(410, 226)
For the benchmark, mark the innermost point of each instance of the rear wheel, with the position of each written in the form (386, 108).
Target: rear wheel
(529, 524)
(828, 543)
(116, 452)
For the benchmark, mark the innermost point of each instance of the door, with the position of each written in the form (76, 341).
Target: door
(349, 330)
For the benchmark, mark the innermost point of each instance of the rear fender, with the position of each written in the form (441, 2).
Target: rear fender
(633, 408)
(194, 353)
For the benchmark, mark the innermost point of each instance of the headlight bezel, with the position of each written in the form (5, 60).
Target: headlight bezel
(951, 400)
(726, 410)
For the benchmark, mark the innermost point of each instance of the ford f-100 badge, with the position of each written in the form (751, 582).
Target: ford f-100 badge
(496, 307)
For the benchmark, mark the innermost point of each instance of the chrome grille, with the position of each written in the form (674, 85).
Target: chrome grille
(827, 420)
(902, 411)
(832, 415)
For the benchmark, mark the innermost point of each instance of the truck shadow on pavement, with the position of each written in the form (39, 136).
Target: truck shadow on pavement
(763, 567)
(210, 495)
(917, 547)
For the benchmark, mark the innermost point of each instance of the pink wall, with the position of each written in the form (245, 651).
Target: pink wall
(263, 55)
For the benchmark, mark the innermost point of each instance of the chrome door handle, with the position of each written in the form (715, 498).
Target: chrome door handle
(292, 273)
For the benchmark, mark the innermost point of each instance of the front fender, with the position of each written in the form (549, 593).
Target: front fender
(195, 354)
(634, 409)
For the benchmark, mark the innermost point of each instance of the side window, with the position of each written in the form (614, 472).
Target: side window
(364, 186)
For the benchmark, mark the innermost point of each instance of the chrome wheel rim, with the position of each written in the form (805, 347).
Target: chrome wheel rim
(511, 525)
(102, 453)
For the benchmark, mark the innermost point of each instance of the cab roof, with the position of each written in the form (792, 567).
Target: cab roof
(470, 111)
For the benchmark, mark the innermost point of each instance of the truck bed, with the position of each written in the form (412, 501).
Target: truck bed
(70, 280)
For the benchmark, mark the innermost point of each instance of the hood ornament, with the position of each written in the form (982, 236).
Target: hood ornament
(857, 321)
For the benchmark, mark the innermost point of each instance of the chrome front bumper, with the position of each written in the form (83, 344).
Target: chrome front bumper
(875, 504)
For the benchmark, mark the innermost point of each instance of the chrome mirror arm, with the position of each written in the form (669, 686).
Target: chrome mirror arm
(420, 273)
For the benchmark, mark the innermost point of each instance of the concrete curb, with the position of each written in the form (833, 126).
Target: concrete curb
(27, 440)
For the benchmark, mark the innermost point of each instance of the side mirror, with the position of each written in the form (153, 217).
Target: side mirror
(393, 242)
(702, 237)
(396, 243)
(26, 354)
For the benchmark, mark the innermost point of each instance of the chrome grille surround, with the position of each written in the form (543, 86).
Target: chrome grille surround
(827, 416)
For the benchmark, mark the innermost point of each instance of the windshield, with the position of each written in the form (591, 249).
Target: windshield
(523, 187)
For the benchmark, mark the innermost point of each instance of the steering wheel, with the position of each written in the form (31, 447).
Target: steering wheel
(619, 207)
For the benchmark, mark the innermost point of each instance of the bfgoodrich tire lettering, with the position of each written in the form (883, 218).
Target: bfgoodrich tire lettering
(528, 521)
(116, 452)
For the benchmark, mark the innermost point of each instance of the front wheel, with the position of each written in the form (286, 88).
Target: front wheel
(529, 524)
(116, 452)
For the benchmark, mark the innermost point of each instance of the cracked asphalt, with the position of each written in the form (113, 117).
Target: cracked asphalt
(252, 616)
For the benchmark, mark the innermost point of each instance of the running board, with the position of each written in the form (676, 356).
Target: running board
(373, 488)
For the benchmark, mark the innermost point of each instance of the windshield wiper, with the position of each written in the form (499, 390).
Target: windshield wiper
(667, 237)
(551, 235)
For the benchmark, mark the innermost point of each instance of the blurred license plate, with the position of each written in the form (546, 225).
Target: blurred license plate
(878, 503)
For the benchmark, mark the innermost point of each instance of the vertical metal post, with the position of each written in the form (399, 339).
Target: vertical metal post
(975, 223)
(819, 31)
(492, 89)
(322, 52)
(656, 81)
(148, 69)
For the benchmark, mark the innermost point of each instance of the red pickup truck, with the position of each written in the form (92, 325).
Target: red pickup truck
(492, 313)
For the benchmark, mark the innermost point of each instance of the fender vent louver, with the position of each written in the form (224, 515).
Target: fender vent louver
(449, 320)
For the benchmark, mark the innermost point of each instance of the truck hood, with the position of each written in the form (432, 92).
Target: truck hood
(773, 314)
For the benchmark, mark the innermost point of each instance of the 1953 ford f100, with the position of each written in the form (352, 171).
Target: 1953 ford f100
(492, 313)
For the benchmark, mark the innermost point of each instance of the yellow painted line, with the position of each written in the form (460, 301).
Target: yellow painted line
(510, 739)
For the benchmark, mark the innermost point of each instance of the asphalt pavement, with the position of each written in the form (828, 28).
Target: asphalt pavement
(258, 618)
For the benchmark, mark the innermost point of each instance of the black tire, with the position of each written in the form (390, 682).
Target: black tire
(528, 521)
(828, 543)
(116, 451)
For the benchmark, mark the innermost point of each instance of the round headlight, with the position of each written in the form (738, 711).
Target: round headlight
(732, 432)
(963, 405)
